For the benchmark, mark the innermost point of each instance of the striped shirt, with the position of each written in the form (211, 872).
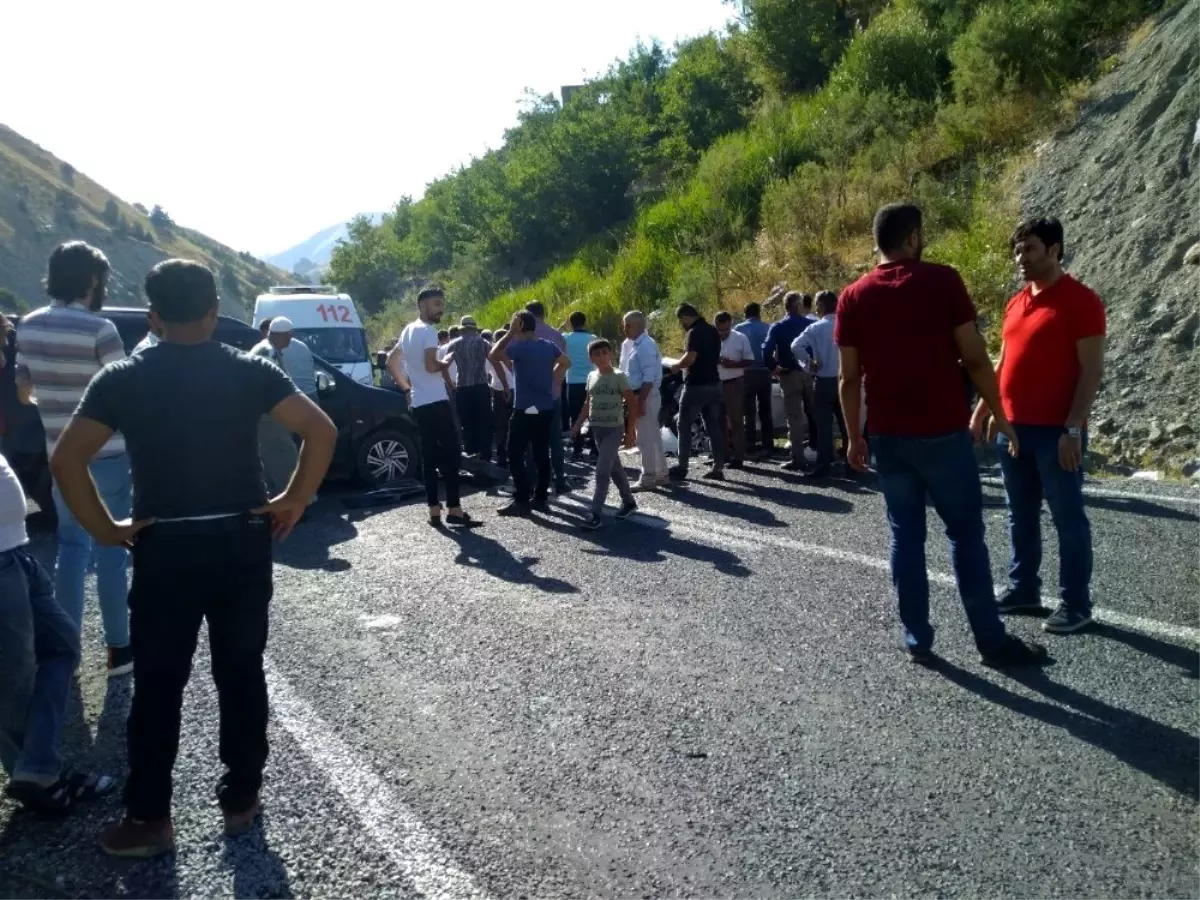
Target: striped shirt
(59, 349)
(470, 355)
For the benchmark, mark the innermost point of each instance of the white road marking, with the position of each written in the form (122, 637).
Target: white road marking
(1115, 495)
(377, 622)
(397, 830)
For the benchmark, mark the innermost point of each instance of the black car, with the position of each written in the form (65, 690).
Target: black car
(377, 436)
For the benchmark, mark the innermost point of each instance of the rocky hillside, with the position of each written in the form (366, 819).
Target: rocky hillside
(44, 201)
(1124, 181)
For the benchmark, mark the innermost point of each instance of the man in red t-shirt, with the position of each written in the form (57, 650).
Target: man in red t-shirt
(1050, 367)
(903, 329)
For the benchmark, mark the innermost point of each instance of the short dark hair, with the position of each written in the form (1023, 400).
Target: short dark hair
(528, 321)
(455, 331)
(72, 267)
(431, 292)
(1047, 230)
(806, 300)
(443, 334)
(722, 316)
(686, 309)
(500, 332)
(265, 325)
(578, 320)
(181, 291)
(486, 335)
(599, 344)
(791, 299)
(894, 224)
(827, 301)
(536, 308)
(752, 311)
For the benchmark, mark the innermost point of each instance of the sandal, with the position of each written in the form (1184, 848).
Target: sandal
(59, 798)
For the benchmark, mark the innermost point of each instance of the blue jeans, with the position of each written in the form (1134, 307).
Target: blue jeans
(76, 547)
(943, 469)
(39, 652)
(1029, 478)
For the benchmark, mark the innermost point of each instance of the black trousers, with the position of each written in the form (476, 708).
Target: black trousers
(758, 408)
(185, 573)
(501, 412)
(441, 453)
(829, 413)
(575, 395)
(525, 432)
(474, 414)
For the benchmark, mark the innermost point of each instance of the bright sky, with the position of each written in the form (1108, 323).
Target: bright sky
(260, 122)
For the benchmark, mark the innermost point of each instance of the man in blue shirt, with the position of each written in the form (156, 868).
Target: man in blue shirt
(549, 333)
(815, 345)
(777, 357)
(538, 366)
(577, 341)
(758, 382)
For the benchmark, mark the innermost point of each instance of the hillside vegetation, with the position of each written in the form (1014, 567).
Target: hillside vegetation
(711, 171)
(44, 201)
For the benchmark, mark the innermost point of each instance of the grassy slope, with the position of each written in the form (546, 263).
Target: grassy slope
(32, 184)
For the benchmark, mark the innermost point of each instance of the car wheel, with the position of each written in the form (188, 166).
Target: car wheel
(388, 455)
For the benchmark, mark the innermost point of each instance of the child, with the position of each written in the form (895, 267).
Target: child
(607, 388)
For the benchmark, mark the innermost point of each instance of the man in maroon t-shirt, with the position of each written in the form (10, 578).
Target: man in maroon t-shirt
(902, 330)
(1050, 367)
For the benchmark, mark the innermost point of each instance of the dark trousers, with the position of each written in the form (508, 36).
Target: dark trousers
(828, 412)
(185, 573)
(441, 454)
(812, 441)
(758, 408)
(474, 414)
(706, 401)
(575, 394)
(527, 432)
(501, 412)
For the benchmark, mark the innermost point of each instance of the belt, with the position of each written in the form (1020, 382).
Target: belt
(223, 524)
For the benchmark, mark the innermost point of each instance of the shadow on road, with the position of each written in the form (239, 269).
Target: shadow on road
(481, 552)
(646, 544)
(1167, 754)
(1140, 507)
(257, 869)
(309, 545)
(804, 498)
(1185, 658)
(749, 513)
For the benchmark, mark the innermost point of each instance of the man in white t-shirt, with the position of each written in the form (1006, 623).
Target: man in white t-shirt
(414, 362)
(736, 357)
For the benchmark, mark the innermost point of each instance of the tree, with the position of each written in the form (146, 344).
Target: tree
(368, 264)
(140, 208)
(112, 213)
(68, 173)
(160, 219)
(11, 303)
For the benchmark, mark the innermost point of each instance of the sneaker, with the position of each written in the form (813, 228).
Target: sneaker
(240, 823)
(591, 523)
(794, 465)
(627, 510)
(1012, 601)
(642, 486)
(1065, 621)
(1014, 652)
(515, 508)
(141, 840)
(677, 473)
(120, 661)
(714, 475)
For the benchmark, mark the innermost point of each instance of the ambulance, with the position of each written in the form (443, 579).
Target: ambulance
(325, 320)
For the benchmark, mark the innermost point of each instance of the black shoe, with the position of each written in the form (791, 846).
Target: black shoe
(677, 473)
(463, 521)
(515, 508)
(1014, 652)
(819, 472)
(714, 475)
(541, 504)
(1012, 601)
(795, 465)
(1065, 621)
(922, 656)
(562, 487)
(591, 523)
(736, 464)
(627, 510)
(120, 661)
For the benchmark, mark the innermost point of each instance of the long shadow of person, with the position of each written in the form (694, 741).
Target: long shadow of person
(310, 545)
(481, 552)
(108, 748)
(1185, 658)
(1140, 507)
(1163, 752)
(257, 869)
(756, 515)
(649, 543)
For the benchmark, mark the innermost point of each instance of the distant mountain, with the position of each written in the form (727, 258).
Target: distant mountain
(312, 256)
(45, 201)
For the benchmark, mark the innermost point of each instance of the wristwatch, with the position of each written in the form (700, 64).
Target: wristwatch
(1074, 431)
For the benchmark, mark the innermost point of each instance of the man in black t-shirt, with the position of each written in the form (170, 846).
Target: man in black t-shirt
(702, 394)
(188, 409)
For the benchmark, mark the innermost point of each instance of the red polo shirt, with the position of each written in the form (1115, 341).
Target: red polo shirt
(1041, 361)
(901, 318)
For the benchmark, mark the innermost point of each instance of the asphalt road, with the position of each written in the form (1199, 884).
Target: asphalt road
(709, 700)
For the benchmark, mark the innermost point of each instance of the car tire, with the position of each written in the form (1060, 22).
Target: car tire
(387, 455)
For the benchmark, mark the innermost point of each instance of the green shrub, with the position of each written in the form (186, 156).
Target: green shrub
(898, 54)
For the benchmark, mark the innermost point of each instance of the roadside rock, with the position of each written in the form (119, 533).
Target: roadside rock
(1124, 181)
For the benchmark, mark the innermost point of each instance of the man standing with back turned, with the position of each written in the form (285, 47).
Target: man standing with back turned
(904, 327)
(189, 409)
(701, 394)
(1050, 367)
(777, 355)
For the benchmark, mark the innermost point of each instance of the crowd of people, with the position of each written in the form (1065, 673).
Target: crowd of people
(133, 443)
